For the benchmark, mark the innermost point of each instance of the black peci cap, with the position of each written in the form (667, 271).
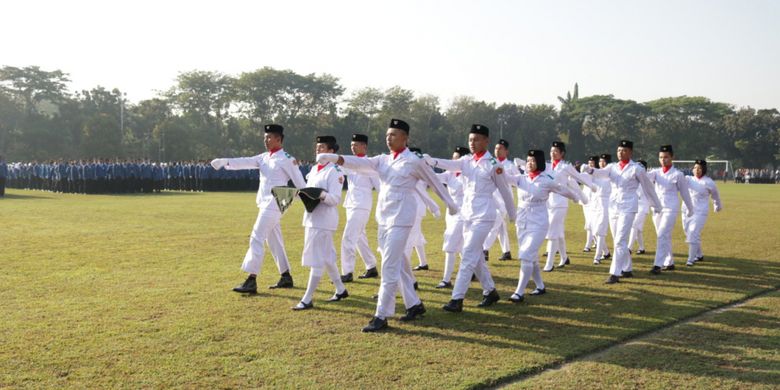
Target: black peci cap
(462, 150)
(504, 142)
(593, 158)
(666, 148)
(271, 128)
(326, 139)
(607, 157)
(626, 144)
(479, 129)
(560, 145)
(360, 138)
(399, 124)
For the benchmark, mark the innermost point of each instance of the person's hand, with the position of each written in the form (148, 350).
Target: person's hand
(219, 163)
(718, 208)
(323, 194)
(327, 158)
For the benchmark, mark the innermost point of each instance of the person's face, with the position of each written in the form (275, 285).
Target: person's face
(272, 141)
(698, 171)
(591, 163)
(530, 164)
(624, 154)
(358, 147)
(478, 143)
(602, 163)
(501, 151)
(396, 139)
(556, 154)
(321, 147)
(665, 158)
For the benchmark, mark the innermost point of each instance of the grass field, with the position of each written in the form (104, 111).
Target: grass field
(134, 291)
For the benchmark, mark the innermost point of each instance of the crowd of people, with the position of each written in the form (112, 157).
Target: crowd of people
(757, 176)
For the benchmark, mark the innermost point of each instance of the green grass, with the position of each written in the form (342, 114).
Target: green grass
(134, 291)
(738, 348)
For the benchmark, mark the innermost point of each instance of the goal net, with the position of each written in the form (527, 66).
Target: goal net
(716, 169)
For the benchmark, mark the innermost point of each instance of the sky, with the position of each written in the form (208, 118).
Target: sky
(523, 52)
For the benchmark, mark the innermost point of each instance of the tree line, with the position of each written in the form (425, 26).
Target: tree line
(208, 113)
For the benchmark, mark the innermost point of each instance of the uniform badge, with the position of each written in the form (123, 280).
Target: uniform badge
(295, 162)
(499, 170)
(341, 179)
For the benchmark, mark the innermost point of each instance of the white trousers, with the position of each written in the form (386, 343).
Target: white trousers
(621, 259)
(396, 270)
(498, 231)
(355, 241)
(266, 230)
(473, 261)
(664, 224)
(319, 253)
(693, 227)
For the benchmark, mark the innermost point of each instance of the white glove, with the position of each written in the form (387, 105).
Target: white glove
(327, 158)
(323, 194)
(583, 198)
(219, 163)
(718, 208)
(453, 210)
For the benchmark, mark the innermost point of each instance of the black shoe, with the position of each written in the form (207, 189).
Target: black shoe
(700, 258)
(413, 312)
(564, 263)
(506, 256)
(416, 287)
(586, 249)
(640, 252)
(454, 306)
(303, 306)
(596, 261)
(249, 286)
(489, 299)
(516, 298)
(627, 274)
(346, 278)
(549, 270)
(284, 282)
(689, 263)
(544, 254)
(337, 297)
(656, 270)
(612, 279)
(539, 291)
(473, 277)
(607, 256)
(375, 297)
(630, 252)
(370, 273)
(421, 268)
(444, 284)
(375, 325)
(669, 267)
(487, 255)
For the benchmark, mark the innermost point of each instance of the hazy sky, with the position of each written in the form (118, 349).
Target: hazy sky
(502, 51)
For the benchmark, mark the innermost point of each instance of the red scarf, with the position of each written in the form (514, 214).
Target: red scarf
(534, 174)
(320, 166)
(457, 174)
(666, 169)
(361, 155)
(555, 163)
(274, 150)
(395, 154)
(501, 159)
(479, 155)
(623, 164)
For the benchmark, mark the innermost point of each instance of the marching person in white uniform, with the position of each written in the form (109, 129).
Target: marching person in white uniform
(357, 204)
(626, 176)
(319, 252)
(702, 188)
(499, 229)
(424, 203)
(482, 175)
(533, 190)
(637, 230)
(587, 209)
(276, 168)
(453, 233)
(558, 206)
(600, 207)
(669, 181)
(398, 173)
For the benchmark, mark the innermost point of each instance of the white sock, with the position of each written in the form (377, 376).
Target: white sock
(537, 275)
(314, 281)
(526, 269)
(552, 247)
(449, 266)
(333, 272)
(562, 250)
(421, 254)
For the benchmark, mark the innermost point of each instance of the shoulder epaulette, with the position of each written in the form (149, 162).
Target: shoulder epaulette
(493, 161)
(287, 155)
(418, 154)
(548, 176)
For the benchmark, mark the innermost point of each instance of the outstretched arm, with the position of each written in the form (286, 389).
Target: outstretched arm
(500, 179)
(716, 202)
(682, 188)
(647, 186)
(425, 173)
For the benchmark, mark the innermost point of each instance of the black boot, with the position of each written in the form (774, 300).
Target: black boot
(249, 286)
(413, 312)
(489, 299)
(454, 306)
(370, 273)
(487, 255)
(285, 281)
(346, 278)
(612, 279)
(656, 270)
(375, 325)
(337, 297)
(506, 256)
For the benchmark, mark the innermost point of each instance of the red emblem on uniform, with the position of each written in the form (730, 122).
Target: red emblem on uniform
(499, 170)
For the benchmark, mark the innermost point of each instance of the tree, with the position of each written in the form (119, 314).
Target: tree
(33, 85)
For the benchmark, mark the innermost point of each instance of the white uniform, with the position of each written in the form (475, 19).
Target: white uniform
(416, 237)
(637, 229)
(453, 234)
(357, 204)
(276, 169)
(701, 189)
(532, 223)
(395, 214)
(482, 177)
(319, 252)
(667, 186)
(624, 202)
(599, 221)
(499, 229)
(588, 212)
(557, 208)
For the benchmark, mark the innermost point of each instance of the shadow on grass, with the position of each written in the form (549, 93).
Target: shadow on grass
(23, 196)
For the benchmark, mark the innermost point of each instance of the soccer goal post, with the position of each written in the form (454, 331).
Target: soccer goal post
(716, 169)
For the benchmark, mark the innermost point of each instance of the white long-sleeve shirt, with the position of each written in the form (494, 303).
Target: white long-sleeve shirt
(359, 190)
(667, 185)
(701, 189)
(326, 215)
(276, 169)
(625, 182)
